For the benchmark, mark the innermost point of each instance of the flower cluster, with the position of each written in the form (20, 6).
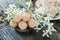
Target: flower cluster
(44, 11)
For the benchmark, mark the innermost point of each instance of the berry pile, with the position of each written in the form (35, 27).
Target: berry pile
(23, 21)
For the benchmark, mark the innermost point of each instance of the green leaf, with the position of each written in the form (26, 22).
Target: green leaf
(13, 14)
(12, 21)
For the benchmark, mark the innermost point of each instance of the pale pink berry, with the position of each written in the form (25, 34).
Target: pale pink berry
(52, 10)
(17, 17)
(31, 23)
(25, 17)
(52, 2)
(22, 25)
(13, 24)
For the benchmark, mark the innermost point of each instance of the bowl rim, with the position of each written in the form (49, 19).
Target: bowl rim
(26, 30)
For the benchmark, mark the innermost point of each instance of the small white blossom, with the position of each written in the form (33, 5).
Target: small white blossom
(41, 10)
(11, 11)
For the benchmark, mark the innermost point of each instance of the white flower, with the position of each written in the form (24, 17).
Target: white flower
(41, 10)
(11, 11)
(40, 3)
(28, 3)
(49, 30)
